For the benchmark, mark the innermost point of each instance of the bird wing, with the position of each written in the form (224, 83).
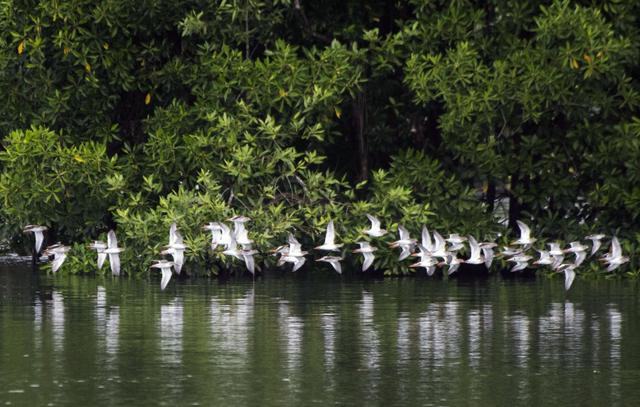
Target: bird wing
(616, 249)
(440, 242)
(299, 263)
(525, 232)
(569, 276)
(39, 239)
(375, 223)
(101, 258)
(596, 246)
(331, 234)
(250, 263)
(475, 248)
(173, 234)
(336, 266)
(166, 277)
(112, 240)
(406, 252)
(58, 259)
(403, 232)
(368, 261)
(114, 262)
(427, 243)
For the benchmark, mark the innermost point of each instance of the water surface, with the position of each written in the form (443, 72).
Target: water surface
(314, 340)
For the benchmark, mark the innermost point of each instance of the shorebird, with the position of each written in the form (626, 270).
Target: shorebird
(475, 256)
(557, 254)
(522, 262)
(334, 261)
(113, 251)
(614, 258)
(596, 242)
(247, 254)
(405, 243)
(367, 252)
(426, 261)
(239, 231)
(454, 263)
(525, 236)
(374, 230)
(545, 258)
(99, 247)
(216, 233)
(439, 247)
(59, 253)
(165, 269)
(38, 234)
(329, 240)
(579, 250)
(457, 242)
(487, 252)
(175, 248)
(294, 254)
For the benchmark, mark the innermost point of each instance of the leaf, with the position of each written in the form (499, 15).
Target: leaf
(338, 111)
(147, 98)
(21, 47)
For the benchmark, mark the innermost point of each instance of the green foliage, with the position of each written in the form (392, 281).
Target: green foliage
(127, 115)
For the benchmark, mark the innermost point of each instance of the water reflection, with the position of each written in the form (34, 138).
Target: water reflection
(170, 332)
(371, 344)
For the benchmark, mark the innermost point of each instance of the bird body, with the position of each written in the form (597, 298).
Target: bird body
(525, 235)
(329, 240)
(367, 252)
(165, 268)
(374, 230)
(334, 261)
(59, 253)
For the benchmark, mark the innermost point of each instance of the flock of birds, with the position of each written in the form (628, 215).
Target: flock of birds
(433, 250)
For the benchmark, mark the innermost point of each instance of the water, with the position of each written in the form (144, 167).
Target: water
(293, 341)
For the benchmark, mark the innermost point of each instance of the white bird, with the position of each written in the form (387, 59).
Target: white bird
(427, 243)
(509, 251)
(175, 248)
(557, 254)
(113, 251)
(439, 247)
(99, 247)
(525, 235)
(165, 268)
(596, 242)
(367, 252)
(457, 242)
(522, 262)
(216, 233)
(454, 263)
(545, 258)
(38, 234)
(294, 254)
(475, 256)
(247, 254)
(579, 250)
(614, 258)
(239, 231)
(374, 230)
(487, 252)
(334, 261)
(405, 243)
(426, 261)
(59, 253)
(329, 240)
(231, 248)
(569, 274)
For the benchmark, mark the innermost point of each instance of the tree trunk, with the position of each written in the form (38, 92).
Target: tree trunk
(359, 115)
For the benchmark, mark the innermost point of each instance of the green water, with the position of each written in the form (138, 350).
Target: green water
(303, 341)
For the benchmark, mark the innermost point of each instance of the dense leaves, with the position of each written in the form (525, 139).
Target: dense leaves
(450, 114)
